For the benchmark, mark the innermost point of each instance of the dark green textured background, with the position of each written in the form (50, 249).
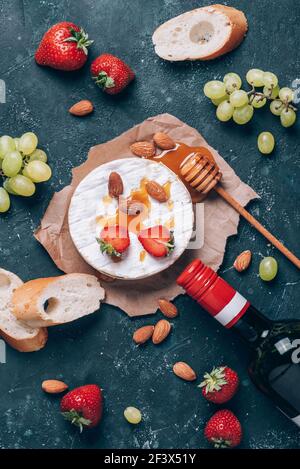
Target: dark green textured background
(100, 349)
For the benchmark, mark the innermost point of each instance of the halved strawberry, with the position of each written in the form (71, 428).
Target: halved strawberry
(114, 240)
(157, 240)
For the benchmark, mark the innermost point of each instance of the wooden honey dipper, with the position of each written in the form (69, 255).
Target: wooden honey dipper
(204, 175)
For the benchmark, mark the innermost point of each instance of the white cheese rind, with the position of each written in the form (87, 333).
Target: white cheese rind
(87, 204)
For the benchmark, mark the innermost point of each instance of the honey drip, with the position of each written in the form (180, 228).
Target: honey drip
(142, 256)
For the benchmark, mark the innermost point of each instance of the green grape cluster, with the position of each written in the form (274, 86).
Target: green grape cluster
(234, 103)
(22, 165)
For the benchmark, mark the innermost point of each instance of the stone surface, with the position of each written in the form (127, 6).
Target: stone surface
(99, 348)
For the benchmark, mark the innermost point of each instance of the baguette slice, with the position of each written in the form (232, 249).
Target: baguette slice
(17, 334)
(201, 34)
(57, 300)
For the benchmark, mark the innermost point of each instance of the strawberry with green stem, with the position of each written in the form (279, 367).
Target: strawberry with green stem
(111, 74)
(220, 385)
(157, 241)
(63, 47)
(83, 406)
(114, 241)
(223, 430)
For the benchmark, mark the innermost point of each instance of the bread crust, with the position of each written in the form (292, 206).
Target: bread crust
(28, 345)
(239, 26)
(26, 300)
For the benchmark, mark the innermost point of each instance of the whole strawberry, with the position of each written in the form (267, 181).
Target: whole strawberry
(111, 74)
(220, 385)
(64, 47)
(223, 430)
(83, 406)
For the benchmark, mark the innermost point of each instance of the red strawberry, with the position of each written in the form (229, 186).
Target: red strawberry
(64, 47)
(223, 430)
(220, 385)
(114, 240)
(83, 406)
(157, 241)
(111, 74)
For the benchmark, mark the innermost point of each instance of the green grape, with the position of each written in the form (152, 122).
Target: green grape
(7, 144)
(242, 115)
(224, 111)
(232, 81)
(276, 107)
(132, 415)
(4, 200)
(38, 171)
(268, 268)
(287, 117)
(8, 188)
(239, 98)
(28, 143)
(218, 101)
(24, 172)
(271, 93)
(214, 89)
(17, 141)
(22, 185)
(266, 143)
(258, 101)
(38, 155)
(255, 77)
(286, 95)
(12, 163)
(270, 80)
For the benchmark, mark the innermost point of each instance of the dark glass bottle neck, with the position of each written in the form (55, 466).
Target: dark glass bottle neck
(253, 326)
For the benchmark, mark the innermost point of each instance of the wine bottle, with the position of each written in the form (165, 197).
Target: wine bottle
(275, 362)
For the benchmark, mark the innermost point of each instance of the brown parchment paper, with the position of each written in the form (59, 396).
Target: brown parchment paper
(140, 297)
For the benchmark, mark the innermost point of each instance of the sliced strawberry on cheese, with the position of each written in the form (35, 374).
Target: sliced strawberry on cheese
(114, 240)
(157, 240)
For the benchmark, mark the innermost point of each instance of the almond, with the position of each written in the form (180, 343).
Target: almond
(143, 334)
(242, 261)
(82, 108)
(131, 207)
(53, 386)
(143, 149)
(115, 185)
(163, 141)
(161, 331)
(156, 191)
(184, 371)
(167, 308)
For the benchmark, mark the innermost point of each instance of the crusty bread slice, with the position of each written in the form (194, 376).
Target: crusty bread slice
(57, 300)
(201, 34)
(17, 334)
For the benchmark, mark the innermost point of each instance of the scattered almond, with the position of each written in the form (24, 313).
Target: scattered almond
(167, 308)
(82, 108)
(184, 371)
(242, 261)
(143, 149)
(156, 191)
(53, 386)
(143, 334)
(161, 331)
(163, 141)
(115, 185)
